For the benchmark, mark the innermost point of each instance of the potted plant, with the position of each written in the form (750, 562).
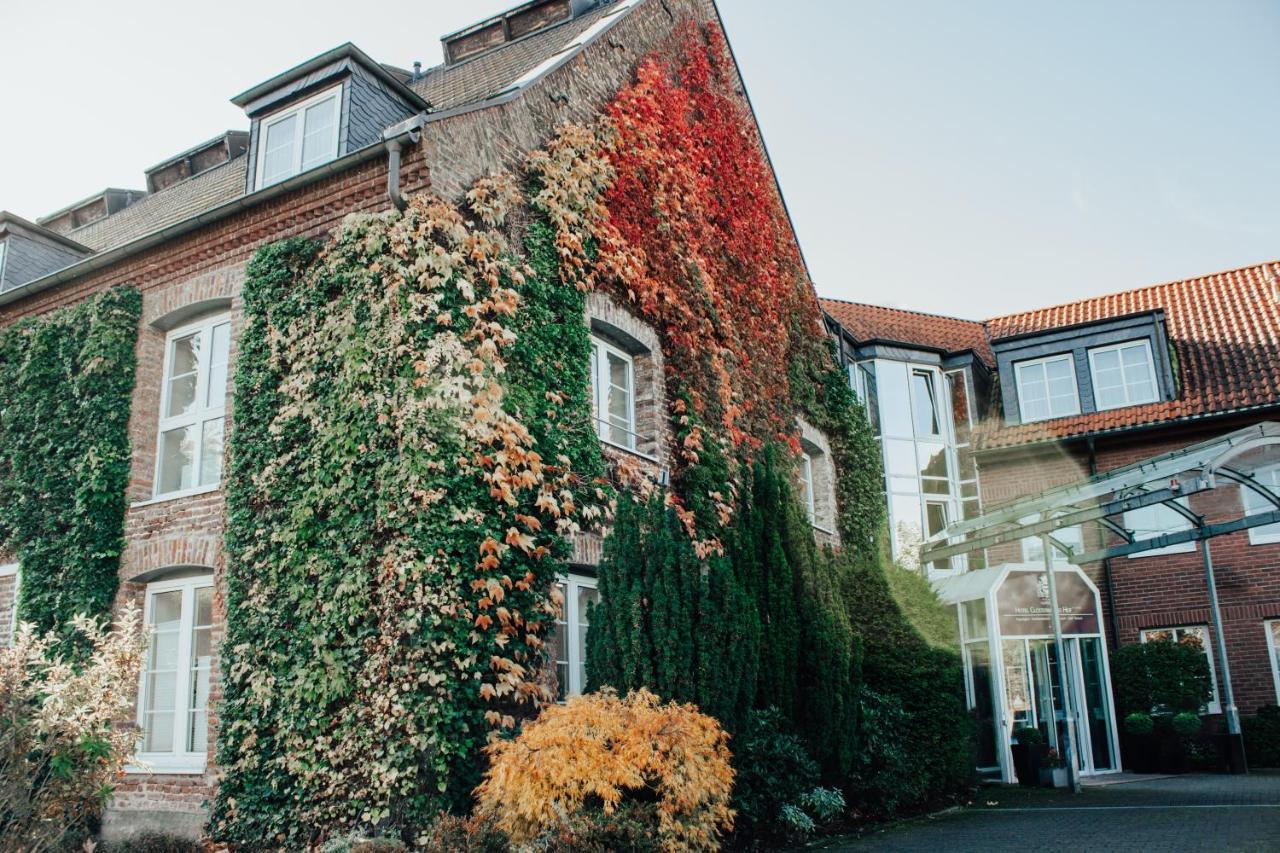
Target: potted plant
(1053, 773)
(1028, 749)
(1173, 753)
(1140, 746)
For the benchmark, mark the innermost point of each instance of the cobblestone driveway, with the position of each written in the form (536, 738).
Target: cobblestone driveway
(1219, 813)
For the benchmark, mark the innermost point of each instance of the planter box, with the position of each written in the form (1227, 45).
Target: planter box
(1053, 777)
(1173, 755)
(1141, 753)
(1026, 762)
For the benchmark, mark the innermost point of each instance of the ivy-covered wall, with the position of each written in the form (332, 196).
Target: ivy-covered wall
(66, 386)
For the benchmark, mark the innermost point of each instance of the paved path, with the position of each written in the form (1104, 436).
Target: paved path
(1181, 813)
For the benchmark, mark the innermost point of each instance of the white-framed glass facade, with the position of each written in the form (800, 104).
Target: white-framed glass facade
(1047, 388)
(1196, 636)
(1123, 375)
(911, 408)
(613, 393)
(173, 699)
(193, 403)
(567, 644)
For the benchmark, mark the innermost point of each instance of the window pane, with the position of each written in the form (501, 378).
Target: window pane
(893, 385)
(317, 143)
(871, 398)
(184, 368)
(959, 400)
(619, 400)
(219, 348)
(211, 452)
(557, 648)
(197, 735)
(936, 514)
(161, 695)
(926, 406)
(277, 157)
(177, 459)
(586, 598)
(158, 732)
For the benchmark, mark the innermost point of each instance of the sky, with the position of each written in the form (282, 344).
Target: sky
(970, 159)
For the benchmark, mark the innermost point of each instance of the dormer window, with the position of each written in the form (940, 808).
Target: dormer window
(1047, 388)
(298, 138)
(1123, 375)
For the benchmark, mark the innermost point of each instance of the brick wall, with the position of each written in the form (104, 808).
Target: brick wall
(1168, 589)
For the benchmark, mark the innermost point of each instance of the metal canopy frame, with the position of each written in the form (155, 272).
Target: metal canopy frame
(1104, 498)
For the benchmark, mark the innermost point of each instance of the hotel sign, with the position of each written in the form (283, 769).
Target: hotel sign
(1023, 603)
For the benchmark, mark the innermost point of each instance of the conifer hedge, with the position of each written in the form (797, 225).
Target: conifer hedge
(66, 386)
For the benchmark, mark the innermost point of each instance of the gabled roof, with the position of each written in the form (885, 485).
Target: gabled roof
(494, 71)
(911, 328)
(343, 51)
(1224, 329)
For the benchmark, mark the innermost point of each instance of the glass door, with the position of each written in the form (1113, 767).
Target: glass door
(1090, 705)
(1095, 709)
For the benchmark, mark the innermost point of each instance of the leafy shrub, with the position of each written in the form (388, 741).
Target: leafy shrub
(603, 751)
(1186, 724)
(1161, 676)
(1028, 735)
(453, 834)
(1262, 737)
(60, 746)
(773, 771)
(885, 777)
(152, 842)
(628, 829)
(363, 844)
(1139, 723)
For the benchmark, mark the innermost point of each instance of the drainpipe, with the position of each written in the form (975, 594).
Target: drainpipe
(1106, 561)
(395, 137)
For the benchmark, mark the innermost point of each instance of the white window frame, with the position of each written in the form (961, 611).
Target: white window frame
(199, 414)
(1179, 548)
(296, 110)
(575, 655)
(1019, 366)
(1151, 374)
(1215, 705)
(11, 570)
(931, 377)
(806, 480)
(1273, 652)
(600, 383)
(1260, 535)
(179, 762)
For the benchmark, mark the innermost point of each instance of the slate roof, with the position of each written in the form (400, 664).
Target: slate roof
(208, 189)
(476, 78)
(913, 328)
(1224, 329)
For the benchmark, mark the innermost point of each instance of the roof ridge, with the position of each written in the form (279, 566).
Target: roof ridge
(1133, 290)
(902, 310)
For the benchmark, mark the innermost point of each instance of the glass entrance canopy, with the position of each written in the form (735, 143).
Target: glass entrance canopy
(1011, 661)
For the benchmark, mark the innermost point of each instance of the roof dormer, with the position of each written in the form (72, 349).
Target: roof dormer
(29, 251)
(332, 105)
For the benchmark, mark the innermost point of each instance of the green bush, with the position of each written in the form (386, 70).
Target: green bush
(1186, 724)
(1028, 735)
(1139, 723)
(628, 830)
(152, 842)
(453, 834)
(1161, 676)
(773, 770)
(1262, 737)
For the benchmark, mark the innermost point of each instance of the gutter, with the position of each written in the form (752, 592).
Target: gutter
(405, 131)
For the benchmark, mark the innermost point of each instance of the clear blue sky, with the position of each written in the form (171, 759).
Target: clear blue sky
(966, 158)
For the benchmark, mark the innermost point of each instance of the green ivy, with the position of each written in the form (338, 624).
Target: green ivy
(66, 386)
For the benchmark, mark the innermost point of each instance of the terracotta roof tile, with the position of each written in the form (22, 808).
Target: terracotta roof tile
(1224, 329)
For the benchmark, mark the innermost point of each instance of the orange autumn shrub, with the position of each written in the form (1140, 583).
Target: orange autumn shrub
(602, 751)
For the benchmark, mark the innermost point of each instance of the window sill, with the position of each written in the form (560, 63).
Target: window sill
(166, 766)
(629, 450)
(174, 496)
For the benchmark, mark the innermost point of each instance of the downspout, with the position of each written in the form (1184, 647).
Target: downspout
(395, 137)
(1106, 561)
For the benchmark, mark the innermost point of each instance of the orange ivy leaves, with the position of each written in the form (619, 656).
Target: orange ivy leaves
(601, 747)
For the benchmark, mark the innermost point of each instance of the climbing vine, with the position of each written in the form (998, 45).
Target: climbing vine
(66, 382)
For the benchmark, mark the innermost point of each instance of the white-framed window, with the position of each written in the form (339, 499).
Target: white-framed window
(1255, 503)
(924, 404)
(568, 642)
(1191, 635)
(1033, 548)
(173, 700)
(193, 405)
(1047, 388)
(807, 492)
(1123, 375)
(1151, 521)
(1272, 627)
(613, 393)
(12, 578)
(298, 138)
